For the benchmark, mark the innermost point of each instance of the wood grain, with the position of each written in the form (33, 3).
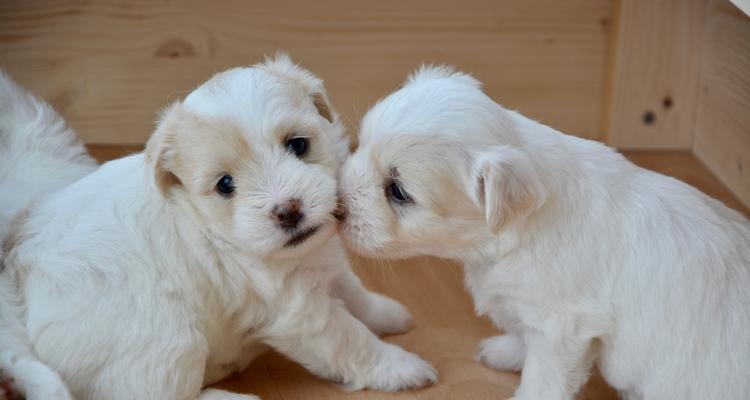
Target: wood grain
(446, 330)
(722, 129)
(109, 65)
(655, 74)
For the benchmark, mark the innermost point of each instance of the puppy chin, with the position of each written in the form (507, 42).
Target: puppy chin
(315, 241)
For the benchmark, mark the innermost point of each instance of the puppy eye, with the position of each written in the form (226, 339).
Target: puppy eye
(298, 146)
(395, 192)
(225, 186)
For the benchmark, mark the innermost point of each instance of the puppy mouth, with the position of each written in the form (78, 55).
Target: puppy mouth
(339, 214)
(299, 237)
(340, 211)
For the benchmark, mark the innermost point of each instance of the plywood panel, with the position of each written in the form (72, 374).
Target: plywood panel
(722, 132)
(655, 73)
(108, 65)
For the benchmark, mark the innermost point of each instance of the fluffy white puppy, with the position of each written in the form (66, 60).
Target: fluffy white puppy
(161, 273)
(578, 254)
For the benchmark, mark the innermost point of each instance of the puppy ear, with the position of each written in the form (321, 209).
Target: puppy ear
(507, 186)
(321, 103)
(282, 65)
(160, 149)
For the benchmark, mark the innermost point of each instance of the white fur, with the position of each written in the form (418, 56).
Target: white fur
(142, 281)
(39, 155)
(576, 253)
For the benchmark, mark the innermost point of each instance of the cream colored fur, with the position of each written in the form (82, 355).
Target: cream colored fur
(578, 255)
(142, 281)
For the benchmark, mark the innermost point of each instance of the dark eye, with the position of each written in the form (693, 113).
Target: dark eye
(298, 146)
(225, 186)
(397, 194)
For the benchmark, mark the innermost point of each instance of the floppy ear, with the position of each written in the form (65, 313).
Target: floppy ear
(322, 105)
(283, 66)
(507, 186)
(160, 147)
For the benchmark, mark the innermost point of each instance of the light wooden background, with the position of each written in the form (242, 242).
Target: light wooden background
(686, 63)
(722, 120)
(638, 74)
(109, 65)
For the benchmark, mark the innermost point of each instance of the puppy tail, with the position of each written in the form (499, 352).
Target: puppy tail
(22, 375)
(39, 153)
(28, 125)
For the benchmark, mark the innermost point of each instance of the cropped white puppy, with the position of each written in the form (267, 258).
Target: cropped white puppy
(164, 272)
(578, 254)
(39, 155)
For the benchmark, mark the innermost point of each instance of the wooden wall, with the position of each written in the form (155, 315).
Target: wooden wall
(680, 79)
(109, 65)
(722, 123)
(654, 70)
(638, 74)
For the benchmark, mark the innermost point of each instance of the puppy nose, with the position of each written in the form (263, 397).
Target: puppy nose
(287, 214)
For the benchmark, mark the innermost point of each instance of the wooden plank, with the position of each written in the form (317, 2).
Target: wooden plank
(655, 74)
(255, 379)
(722, 132)
(109, 66)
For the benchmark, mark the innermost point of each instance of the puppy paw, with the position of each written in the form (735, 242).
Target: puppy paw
(38, 381)
(385, 316)
(399, 370)
(504, 352)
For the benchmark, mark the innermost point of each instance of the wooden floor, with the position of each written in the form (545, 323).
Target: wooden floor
(446, 331)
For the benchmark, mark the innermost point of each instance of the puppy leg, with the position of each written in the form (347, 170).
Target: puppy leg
(382, 315)
(556, 366)
(504, 352)
(330, 342)
(169, 365)
(217, 394)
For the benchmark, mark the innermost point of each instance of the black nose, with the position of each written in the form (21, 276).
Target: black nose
(288, 213)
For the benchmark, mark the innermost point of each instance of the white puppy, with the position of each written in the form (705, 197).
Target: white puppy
(164, 272)
(578, 254)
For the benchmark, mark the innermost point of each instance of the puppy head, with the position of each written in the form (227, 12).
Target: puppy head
(439, 168)
(255, 152)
